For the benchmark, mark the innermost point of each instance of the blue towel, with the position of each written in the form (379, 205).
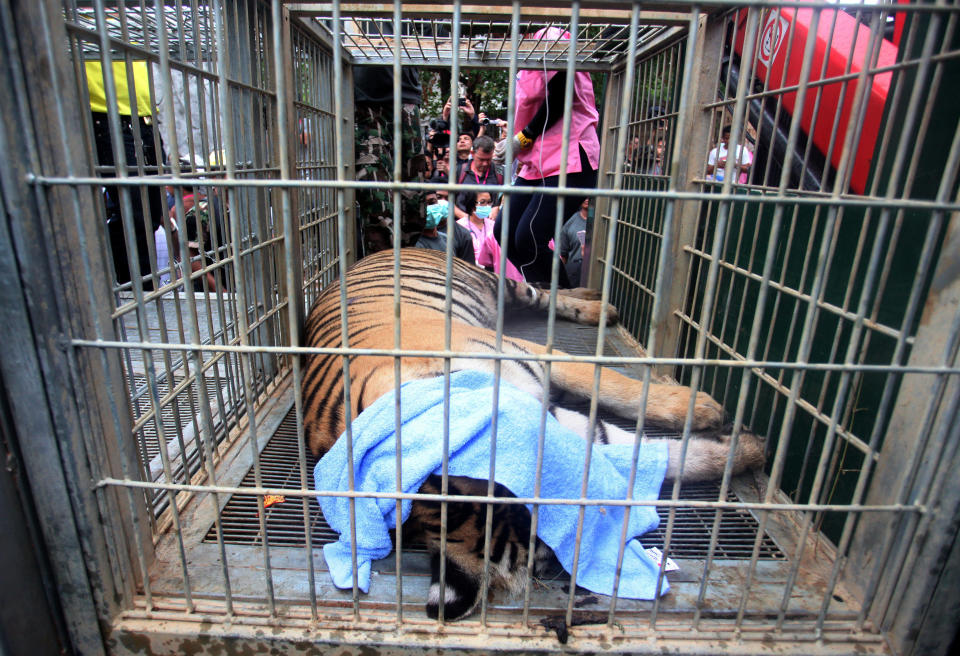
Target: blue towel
(471, 393)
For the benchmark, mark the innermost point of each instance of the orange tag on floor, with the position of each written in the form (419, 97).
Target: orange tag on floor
(272, 499)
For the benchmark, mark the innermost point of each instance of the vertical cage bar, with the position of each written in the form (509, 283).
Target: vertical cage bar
(344, 326)
(398, 309)
(137, 282)
(282, 44)
(194, 358)
(227, 108)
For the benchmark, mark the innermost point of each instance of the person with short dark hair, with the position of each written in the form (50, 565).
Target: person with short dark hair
(464, 147)
(572, 240)
(441, 167)
(479, 170)
(434, 234)
(377, 238)
(717, 159)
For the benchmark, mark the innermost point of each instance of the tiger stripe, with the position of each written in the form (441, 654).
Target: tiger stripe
(472, 315)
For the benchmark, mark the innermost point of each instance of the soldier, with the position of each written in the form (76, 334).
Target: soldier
(373, 89)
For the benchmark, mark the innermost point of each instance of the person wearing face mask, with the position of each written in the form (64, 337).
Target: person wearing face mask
(479, 223)
(477, 218)
(434, 232)
(479, 170)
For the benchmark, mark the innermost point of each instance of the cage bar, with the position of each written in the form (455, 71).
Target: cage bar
(180, 180)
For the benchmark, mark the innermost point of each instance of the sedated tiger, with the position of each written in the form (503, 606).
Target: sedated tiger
(369, 291)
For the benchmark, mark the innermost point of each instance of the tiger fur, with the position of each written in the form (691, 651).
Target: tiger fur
(369, 290)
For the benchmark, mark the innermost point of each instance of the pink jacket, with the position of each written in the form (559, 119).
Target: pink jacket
(543, 158)
(479, 235)
(489, 256)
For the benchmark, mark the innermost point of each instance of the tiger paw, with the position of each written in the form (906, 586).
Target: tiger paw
(707, 413)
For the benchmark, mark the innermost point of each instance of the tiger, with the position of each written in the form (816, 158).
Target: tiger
(370, 310)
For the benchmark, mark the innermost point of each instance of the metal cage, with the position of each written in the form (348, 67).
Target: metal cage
(151, 404)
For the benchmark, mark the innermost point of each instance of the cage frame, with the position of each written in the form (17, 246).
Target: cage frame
(69, 511)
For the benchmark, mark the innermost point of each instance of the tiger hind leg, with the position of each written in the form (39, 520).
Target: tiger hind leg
(706, 456)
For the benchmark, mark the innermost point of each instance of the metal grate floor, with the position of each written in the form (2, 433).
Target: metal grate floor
(181, 412)
(175, 413)
(284, 521)
(285, 528)
(692, 528)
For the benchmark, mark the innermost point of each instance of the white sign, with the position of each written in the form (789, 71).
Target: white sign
(773, 35)
(657, 556)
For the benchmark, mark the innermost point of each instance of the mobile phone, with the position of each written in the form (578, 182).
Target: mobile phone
(462, 102)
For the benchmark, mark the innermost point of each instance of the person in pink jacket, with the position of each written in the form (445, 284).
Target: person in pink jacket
(478, 207)
(538, 149)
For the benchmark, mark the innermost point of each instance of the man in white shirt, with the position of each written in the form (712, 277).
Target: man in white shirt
(717, 159)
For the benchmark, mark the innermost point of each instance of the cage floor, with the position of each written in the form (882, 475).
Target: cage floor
(285, 526)
(285, 561)
(184, 409)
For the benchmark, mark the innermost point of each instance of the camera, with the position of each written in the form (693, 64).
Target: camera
(462, 102)
(441, 133)
(492, 121)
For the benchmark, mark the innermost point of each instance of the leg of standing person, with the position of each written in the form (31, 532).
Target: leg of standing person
(144, 224)
(518, 204)
(534, 224)
(156, 204)
(373, 139)
(413, 165)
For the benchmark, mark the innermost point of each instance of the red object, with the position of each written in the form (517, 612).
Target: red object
(775, 50)
(899, 22)
(273, 499)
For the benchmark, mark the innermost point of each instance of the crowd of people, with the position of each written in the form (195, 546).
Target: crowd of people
(475, 158)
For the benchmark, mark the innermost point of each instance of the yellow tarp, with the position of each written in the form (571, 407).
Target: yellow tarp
(98, 95)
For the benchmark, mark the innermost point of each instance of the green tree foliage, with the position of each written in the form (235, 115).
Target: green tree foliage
(488, 91)
(486, 88)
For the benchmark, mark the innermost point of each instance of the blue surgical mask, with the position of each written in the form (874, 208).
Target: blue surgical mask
(436, 213)
(483, 211)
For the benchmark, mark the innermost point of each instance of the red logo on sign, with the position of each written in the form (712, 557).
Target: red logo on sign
(772, 37)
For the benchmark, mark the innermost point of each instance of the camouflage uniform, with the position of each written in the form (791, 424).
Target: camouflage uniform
(374, 162)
